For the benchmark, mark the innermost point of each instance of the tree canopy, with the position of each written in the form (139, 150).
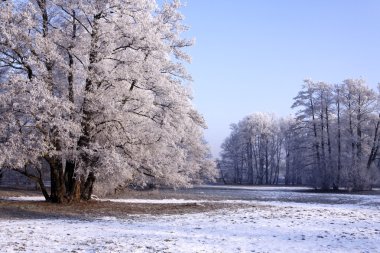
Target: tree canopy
(98, 90)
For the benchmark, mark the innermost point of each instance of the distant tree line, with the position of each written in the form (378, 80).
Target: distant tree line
(331, 143)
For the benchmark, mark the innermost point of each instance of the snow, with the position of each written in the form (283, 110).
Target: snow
(25, 198)
(257, 187)
(259, 227)
(156, 201)
(287, 194)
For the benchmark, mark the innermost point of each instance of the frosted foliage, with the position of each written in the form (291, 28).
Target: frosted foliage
(28, 132)
(252, 152)
(100, 83)
(337, 126)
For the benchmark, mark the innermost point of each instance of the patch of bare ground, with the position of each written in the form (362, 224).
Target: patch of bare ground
(94, 209)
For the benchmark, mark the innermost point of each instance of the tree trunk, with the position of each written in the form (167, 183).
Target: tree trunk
(316, 141)
(359, 130)
(324, 177)
(375, 145)
(329, 150)
(250, 161)
(66, 187)
(70, 77)
(287, 167)
(43, 189)
(88, 186)
(266, 162)
(337, 178)
(58, 189)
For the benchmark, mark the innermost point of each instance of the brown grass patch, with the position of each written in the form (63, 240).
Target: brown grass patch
(95, 209)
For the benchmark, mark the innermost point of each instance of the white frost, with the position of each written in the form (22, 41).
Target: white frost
(26, 198)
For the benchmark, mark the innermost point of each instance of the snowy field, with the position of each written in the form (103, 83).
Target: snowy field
(258, 226)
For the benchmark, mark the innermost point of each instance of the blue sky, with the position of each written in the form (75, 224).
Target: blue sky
(252, 55)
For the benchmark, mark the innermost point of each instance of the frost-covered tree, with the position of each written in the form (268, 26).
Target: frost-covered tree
(341, 126)
(294, 135)
(253, 151)
(232, 159)
(97, 90)
(360, 114)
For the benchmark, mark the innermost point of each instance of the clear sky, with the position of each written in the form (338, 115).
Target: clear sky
(252, 55)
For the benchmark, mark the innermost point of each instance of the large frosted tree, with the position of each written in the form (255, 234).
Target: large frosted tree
(97, 89)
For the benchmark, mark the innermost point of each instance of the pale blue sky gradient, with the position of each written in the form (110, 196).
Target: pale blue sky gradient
(252, 56)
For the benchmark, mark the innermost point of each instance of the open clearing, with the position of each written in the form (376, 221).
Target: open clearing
(175, 222)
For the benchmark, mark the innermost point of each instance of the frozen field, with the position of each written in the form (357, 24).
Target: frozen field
(256, 226)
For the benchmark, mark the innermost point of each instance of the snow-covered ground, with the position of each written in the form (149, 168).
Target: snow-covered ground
(285, 194)
(259, 227)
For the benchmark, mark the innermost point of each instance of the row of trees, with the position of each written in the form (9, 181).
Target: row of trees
(332, 142)
(252, 153)
(96, 90)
